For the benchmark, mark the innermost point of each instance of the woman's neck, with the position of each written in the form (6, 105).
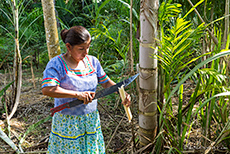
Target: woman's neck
(73, 63)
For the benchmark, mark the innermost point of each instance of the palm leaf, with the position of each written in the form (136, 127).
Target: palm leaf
(5, 88)
(206, 101)
(34, 126)
(102, 5)
(221, 54)
(7, 31)
(5, 138)
(128, 6)
(193, 8)
(9, 18)
(30, 25)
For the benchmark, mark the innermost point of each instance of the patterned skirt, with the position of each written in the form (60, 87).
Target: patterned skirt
(76, 134)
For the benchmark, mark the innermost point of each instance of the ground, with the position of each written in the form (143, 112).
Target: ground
(28, 124)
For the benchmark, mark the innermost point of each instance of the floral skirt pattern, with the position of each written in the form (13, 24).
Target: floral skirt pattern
(72, 134)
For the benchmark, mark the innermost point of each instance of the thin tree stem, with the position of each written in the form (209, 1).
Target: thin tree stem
(131, 38)
(210, 33)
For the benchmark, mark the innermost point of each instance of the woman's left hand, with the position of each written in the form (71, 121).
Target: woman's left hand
(127, 101)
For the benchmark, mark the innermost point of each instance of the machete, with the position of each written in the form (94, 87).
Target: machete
(98, 94)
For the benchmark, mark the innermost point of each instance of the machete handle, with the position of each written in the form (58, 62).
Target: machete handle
(59, 108)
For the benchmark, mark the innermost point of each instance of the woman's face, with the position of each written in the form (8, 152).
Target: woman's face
(78, 52)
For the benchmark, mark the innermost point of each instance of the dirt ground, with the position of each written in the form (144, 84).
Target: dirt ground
(35, 107)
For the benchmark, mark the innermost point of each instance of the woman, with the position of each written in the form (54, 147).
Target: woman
(75, 75)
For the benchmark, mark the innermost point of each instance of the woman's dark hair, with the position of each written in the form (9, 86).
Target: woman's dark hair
(75, 35)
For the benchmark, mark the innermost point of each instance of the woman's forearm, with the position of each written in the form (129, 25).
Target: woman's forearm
(58, 92)
(108, 84)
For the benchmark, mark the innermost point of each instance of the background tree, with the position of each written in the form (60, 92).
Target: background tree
(52, 39)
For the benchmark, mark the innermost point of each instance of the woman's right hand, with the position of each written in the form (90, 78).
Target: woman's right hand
(86, 96)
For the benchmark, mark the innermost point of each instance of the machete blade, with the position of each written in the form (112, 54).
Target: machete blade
(99, 94)
(114, 88)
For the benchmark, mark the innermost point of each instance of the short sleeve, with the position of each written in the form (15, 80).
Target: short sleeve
(51, 75)
(101, 75)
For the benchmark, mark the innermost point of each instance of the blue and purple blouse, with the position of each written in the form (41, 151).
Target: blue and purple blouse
(58, 73)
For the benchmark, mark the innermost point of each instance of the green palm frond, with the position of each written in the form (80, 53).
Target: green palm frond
(208, 72)
(118, 45)
(168, 11)
(176, 52)
(216, 56)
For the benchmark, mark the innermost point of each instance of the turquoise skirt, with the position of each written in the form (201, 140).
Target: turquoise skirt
(76, 134)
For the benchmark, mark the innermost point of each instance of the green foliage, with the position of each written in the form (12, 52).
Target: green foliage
(31, 33)
(115, 53)
(71, 13)
(126, 4)
(179, 45)
(105, 14)
(6, 48)
(167, 12)
(187, 117)
(180, 57)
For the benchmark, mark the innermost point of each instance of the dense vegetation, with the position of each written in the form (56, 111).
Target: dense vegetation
(108, 25)
(191, 45)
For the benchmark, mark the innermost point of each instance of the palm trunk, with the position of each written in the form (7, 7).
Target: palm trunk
(148, 71)
(17, 63)
(52, 39)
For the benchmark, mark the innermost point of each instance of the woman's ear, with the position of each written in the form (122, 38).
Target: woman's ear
(68, 46)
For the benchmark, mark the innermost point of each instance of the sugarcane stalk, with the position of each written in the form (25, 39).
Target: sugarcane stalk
(127, 109)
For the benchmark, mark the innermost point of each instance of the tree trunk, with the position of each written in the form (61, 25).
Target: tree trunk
(226, 29)
(148, 71)
(17, 63)
(226, 34)
(52, 39)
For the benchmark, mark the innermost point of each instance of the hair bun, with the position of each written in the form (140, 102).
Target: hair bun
(64, 32)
